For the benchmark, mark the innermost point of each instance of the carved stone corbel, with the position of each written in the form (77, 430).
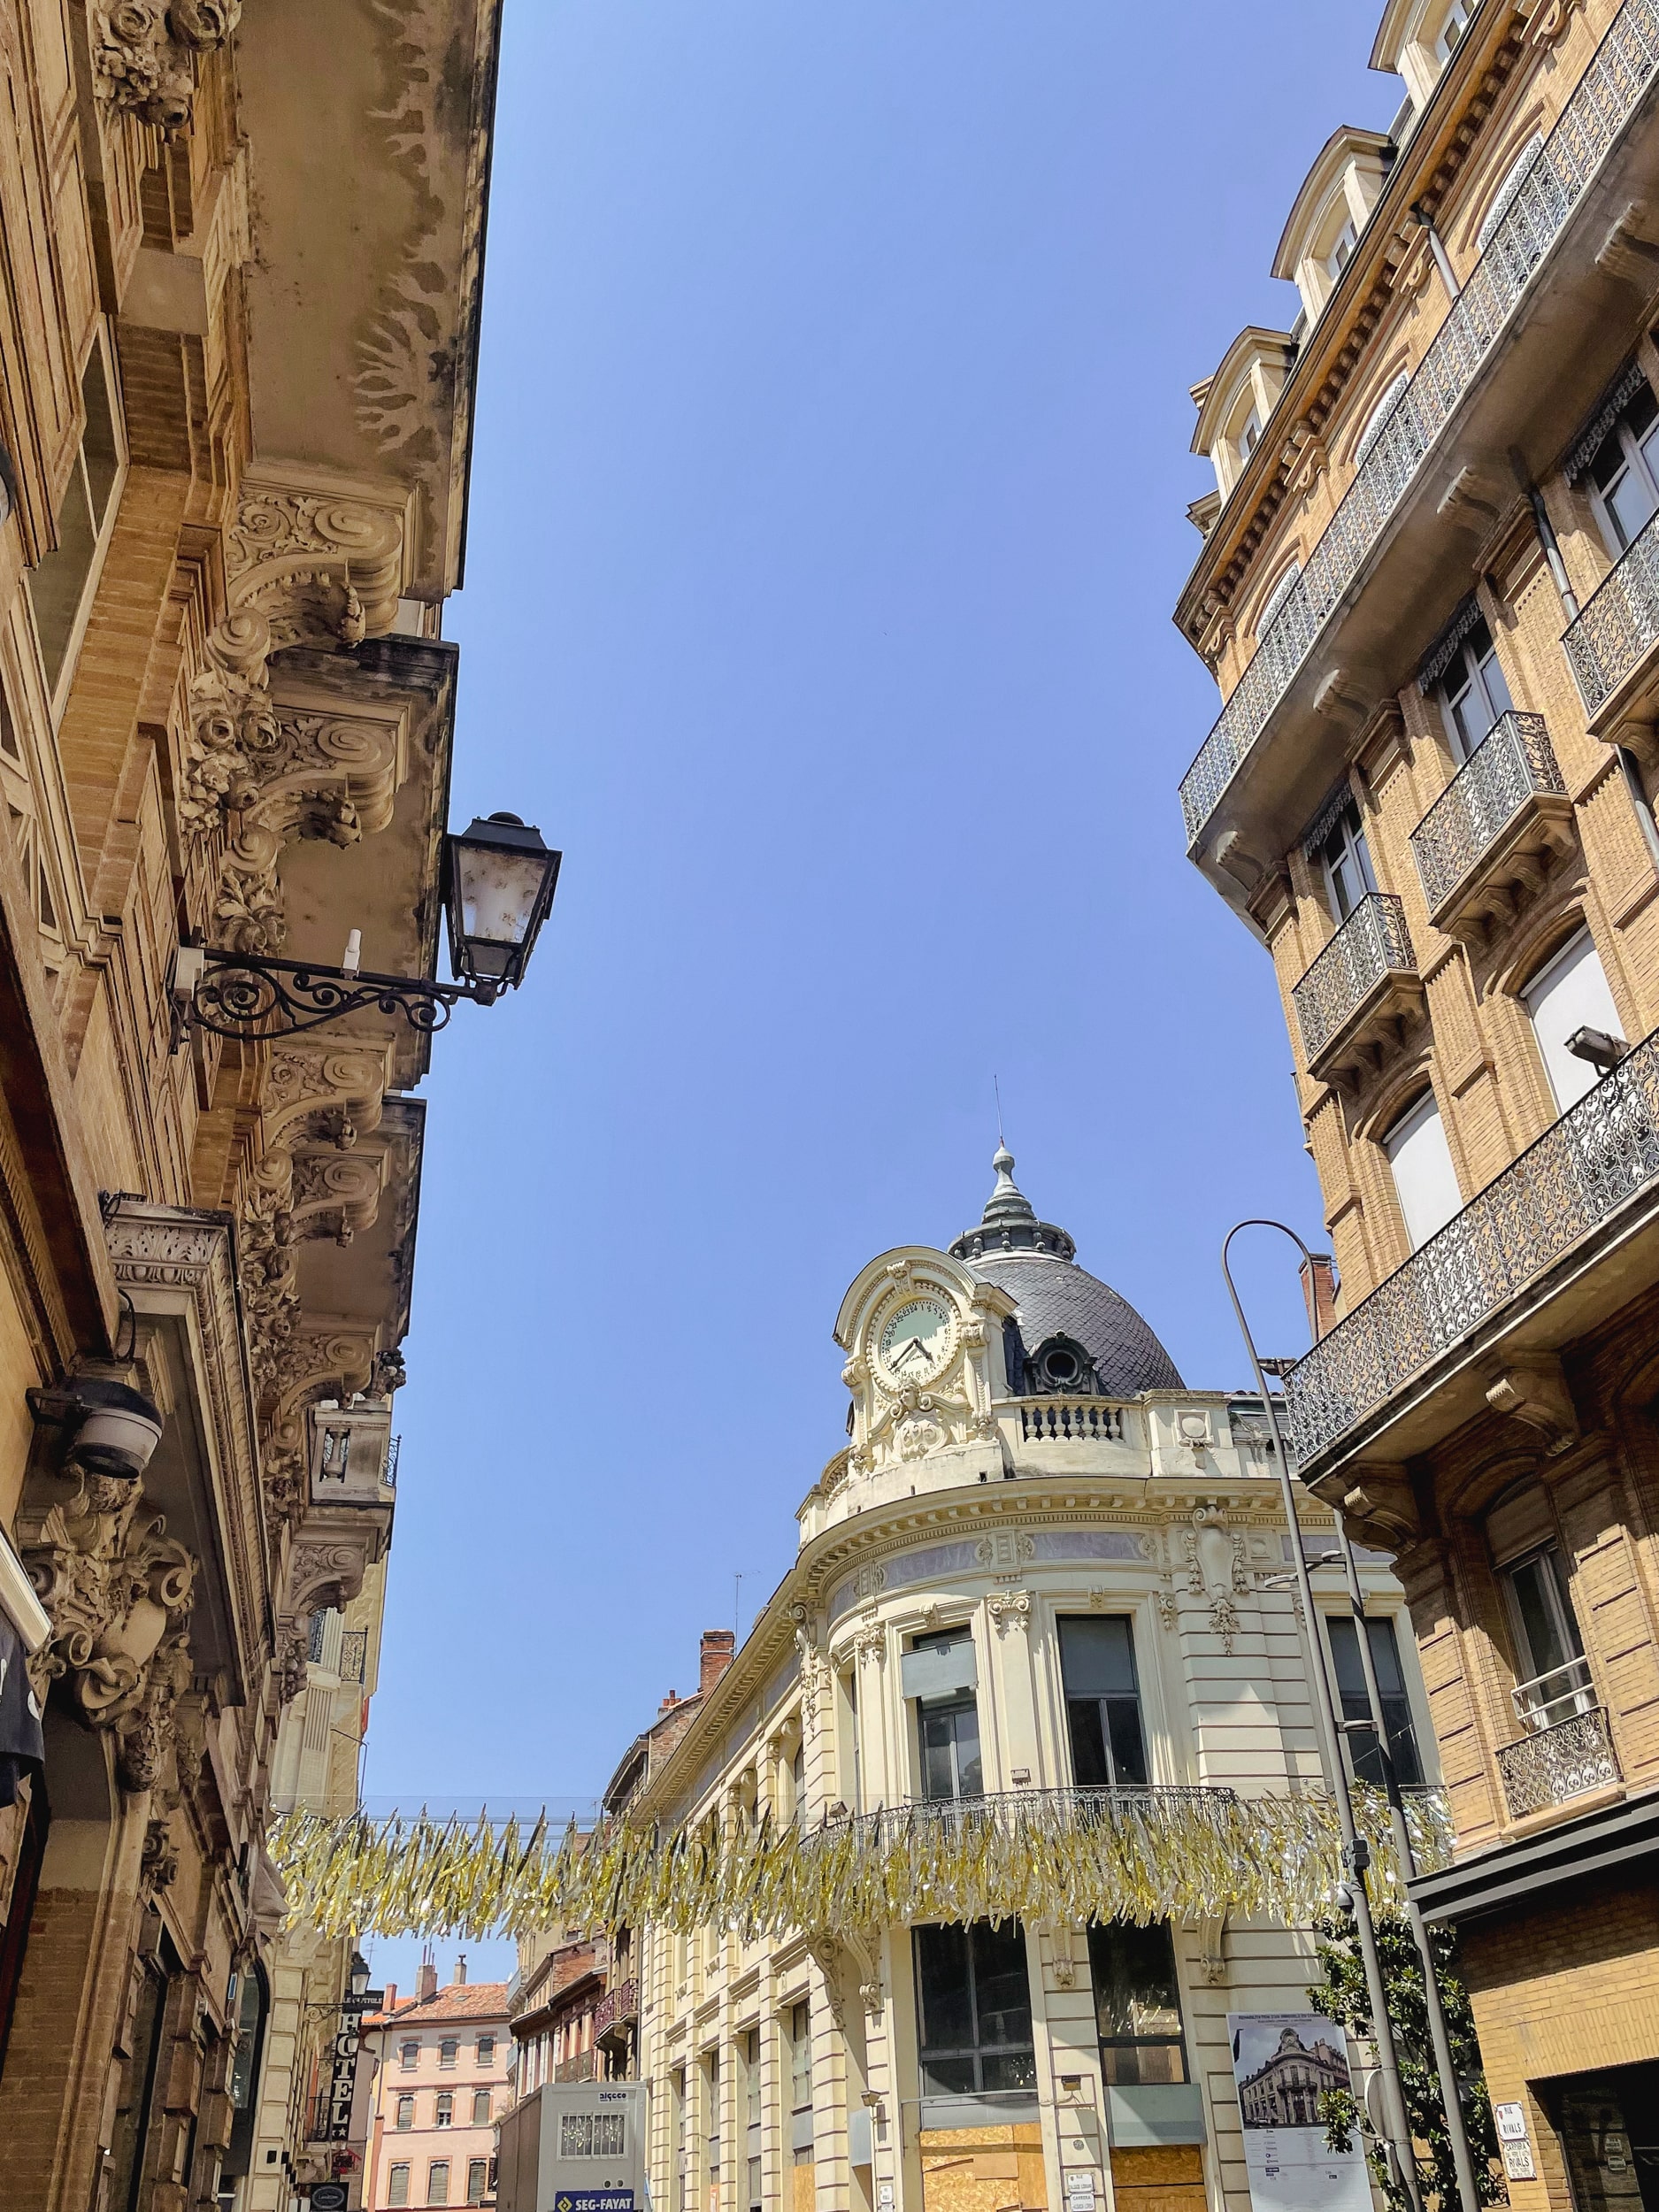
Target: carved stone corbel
(1535, 1391)
(1008, 1608)
(119, 1590)
(144, 54)
(1629, 251)
(1380, 1505)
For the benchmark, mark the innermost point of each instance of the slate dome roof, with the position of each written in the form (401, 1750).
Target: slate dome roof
(1034, 1262)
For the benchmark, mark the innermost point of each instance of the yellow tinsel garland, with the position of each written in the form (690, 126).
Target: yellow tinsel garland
(1192, 1855)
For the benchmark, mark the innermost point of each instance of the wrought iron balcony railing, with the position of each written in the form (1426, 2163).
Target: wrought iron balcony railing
(1618, 624)
(895, 1824)
(1372, 945)
(354, 1652)
(1602, 1153)
(615, 2007)
(1512, 765)
(1601, 106)
(1554, 1765)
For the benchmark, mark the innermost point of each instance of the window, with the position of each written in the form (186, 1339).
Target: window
(1451, 29)
(448, 2051)
(1345, 858)
(397, 2184)
(480, 2107)
(409, 2057)
(1137, 2003)
(594, 2134)
(1473, 692)
(940, 1673)
(1276, 598)
(1550, 1650)
(486, 2050)
(438, 2182)
(973, 2004)
(1396, 1705)
(1508, 193)
(443, 2115)
(477, 2180)
(1341, 250)
(799, 2020)
(1570, 992)
(1250, 433)
(405, 2112)
(749, 2049)
(711, 2115)
(1425, 1181)
(677, 2137)
(60, 586)
(1102, 1701)
(1624, 475)
(1377, 421)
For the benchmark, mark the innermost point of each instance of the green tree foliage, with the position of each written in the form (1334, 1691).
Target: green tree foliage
(1342, 1997)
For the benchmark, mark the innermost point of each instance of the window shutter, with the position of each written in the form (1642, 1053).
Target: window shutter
(1571, 994)
(1425, 1177)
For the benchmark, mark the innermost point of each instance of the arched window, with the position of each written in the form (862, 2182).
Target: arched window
(1570, 992)
(1507, 189)
(1276, 598)
(1377, 417)
(1451, 29)
(1425, 1177)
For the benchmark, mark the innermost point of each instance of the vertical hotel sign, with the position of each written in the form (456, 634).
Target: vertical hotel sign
(342, 2081)
(1282, 2063)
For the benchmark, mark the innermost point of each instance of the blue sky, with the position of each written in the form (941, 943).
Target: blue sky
(827, 511)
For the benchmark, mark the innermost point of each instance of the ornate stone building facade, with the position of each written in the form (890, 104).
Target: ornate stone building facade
(1043, 1588)
(243, 250)
(1427, 590)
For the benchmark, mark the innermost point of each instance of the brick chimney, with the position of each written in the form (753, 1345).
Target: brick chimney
(391, 1997)
(718, 1644)
(426, 1981)
(1319, 1289)
(460, 1969)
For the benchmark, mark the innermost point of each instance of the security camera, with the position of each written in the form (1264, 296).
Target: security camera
(1603, 1052)
(120, 1428)
(1343, 1898)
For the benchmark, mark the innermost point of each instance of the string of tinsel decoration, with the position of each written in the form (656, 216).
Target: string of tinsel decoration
(1195, 1855)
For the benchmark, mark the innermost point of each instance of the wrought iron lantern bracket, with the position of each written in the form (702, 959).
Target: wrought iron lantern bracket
(241, 995)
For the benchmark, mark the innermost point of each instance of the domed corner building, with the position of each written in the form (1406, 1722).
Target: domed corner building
(1042, 1582)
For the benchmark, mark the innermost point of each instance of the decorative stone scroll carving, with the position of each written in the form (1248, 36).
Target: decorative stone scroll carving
(120, 1590)
(144, 54)
(1008, 1608)
(1535, 1391)
(1215, 1569)
(305, 568)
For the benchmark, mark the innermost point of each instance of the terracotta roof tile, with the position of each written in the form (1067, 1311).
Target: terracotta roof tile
(456, 2001)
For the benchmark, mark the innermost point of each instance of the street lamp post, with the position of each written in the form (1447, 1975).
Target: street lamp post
(1355, 1852)
(499, 878)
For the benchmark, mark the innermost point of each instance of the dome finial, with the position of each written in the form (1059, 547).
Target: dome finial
(1007, 1201)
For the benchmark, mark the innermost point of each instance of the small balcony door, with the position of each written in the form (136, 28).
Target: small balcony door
(1473, 692)
(1345, 858)
(1554, 1681)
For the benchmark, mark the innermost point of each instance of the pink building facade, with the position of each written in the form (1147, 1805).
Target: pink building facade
(440, 2084)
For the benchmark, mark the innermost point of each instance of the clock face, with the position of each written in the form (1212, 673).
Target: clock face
(916, 1340)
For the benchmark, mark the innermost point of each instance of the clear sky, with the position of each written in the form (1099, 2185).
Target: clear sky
(827, 512)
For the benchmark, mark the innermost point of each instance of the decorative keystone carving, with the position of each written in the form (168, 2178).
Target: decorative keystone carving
(119, 1589)
(158, 1868)
(1535, 1391)
(143, 52)
(1215, 1568)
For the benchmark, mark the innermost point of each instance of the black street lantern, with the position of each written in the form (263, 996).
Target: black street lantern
(499, 882)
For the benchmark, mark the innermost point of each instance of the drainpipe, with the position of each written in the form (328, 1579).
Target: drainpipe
(1552, 548)
(1442, 259)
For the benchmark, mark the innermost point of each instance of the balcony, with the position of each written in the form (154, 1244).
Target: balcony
(1070, 1421)
(581, 2066)
(1517, 1266)
(1365, 984)
(616, 2008)
(1525, 321)
(1484, 840)
(1553, 1765)
(1608, 647)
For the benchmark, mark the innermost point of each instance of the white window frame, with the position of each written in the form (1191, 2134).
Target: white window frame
(1476, 681)
(1349, 829)
(1339, 252)
(1639, 463)
(1453, 25)
(1399, 1134)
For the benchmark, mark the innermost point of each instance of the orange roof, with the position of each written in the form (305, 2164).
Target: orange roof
(456, 2001)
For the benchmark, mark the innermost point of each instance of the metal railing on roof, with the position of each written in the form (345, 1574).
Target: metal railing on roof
(1601, 104)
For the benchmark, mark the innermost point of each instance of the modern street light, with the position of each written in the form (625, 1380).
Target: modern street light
(499, 878)
(1356, 1852)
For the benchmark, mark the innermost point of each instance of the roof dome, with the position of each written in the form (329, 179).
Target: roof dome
(1063, 1310)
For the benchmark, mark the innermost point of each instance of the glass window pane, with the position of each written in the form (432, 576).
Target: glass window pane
(1630, 504)
(57, 584)
(98, 445)
(1544, 1626)
(1097, 1655)
(1090, 1768)
(942, 1990)
(1002, 1986)
(1492, 675)
(1128, 1749)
